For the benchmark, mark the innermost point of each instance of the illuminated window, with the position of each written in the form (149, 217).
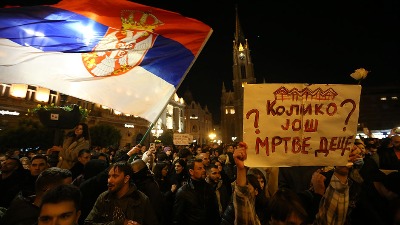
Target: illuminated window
(394, 98)
(383, 99)
(169, 123)
(244, 83)
(226, 111)
(232, 111)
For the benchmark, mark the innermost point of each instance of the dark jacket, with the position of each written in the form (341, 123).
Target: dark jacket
(146, 183)
(196, 204)
(92, 187)
(77, 169)
(21, 212)
(133, 206)
(388, 159)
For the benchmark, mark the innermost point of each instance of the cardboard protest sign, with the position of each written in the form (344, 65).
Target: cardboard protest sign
(182, 139)
(299, 124)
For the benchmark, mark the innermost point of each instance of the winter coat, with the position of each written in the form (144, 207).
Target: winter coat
(196, 204)
(69, 153)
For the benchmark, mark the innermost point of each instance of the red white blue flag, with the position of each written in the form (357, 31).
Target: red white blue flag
(120, 54)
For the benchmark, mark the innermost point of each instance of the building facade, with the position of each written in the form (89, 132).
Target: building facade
(379, 109)
(199, 123)
(16, 99)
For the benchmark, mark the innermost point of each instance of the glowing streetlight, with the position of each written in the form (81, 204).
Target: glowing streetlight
(212, 136)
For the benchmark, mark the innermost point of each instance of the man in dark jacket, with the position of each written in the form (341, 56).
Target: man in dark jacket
(122, 203)
(196, 202)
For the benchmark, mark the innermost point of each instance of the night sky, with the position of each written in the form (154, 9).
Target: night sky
(292, 41)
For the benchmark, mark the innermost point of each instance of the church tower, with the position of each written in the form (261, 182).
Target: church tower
(232, 101)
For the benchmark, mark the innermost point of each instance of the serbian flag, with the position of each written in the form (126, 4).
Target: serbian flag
(120, 54)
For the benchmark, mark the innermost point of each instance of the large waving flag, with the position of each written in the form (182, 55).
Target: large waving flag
(116, 53)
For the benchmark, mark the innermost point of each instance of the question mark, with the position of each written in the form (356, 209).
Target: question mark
(350, 113)
(255, 119)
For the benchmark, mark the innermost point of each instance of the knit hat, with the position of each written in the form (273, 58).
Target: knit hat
(166, 149)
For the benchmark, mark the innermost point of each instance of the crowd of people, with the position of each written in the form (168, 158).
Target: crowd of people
(76, 183)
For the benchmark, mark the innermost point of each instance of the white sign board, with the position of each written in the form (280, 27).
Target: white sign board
(299, 124)
(183, 139)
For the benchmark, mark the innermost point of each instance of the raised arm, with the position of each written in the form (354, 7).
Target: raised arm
(240, 155)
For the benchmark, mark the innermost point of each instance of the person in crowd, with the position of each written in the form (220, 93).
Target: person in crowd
(75, 140)
(130, 155)
(167, 188)
(213, 177)
(225, 179)
(389, 158)
(296, 178)
(92, 183)
(197, 150)
(3, 158)
(16, 153)
(196, 202)
(122, 203)
(260, 202)
(161, 157)
(78, 167)
(145, 182)
(290, 212)
(38, 165)
(91, 169)
(149, 157)
(179, 176)
(12, 178)
(368, 204)
(334, 196)
(372, 151)
(185, 154)
(204, 156)
(286, 207)
(60, 206)
(24, 210)
(168, 152)
(104, 156)
(261, 179)
(229, 165)
(26, 162)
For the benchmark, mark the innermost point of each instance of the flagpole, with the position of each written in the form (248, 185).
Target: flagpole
(155, 121)
(147, 132)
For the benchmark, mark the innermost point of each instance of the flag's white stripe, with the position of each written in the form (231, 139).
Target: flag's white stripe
(138, 92)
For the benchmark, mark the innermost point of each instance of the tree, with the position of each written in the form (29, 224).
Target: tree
(167, 137)
(28, 134)
(104, 135)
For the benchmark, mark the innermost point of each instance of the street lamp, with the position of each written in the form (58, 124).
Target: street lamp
(212, 136)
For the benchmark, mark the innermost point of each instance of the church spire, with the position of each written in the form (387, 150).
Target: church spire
(223, 87)
(239, 35)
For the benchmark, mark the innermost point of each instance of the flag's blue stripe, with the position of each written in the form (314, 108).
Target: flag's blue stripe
(50, 29)
(168, 60)
(64, 31)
